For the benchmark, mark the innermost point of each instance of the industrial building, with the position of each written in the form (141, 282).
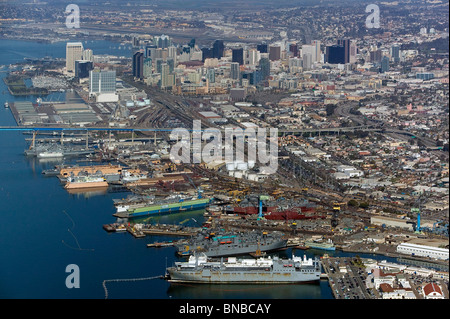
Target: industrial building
(423, 251)
(392, 222)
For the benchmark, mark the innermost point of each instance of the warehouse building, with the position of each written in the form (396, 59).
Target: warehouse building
(423, 251)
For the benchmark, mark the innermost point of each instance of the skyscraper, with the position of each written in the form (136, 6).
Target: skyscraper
(82, 68)
(207, 53)
(346, 44)
(167, 78)
(147, 68)
(234, 71)
(150, 50)
(218, 48)
(88, 55)
(74, 52)
(274, 53)
(375, 56)
(238, 56)
(163, 41)
(211, 75)
(252, 57)
(311, 51)
(384, 64)
(318, 57)
(138, 65)
(395, 53)
(264, 67)
(262, 48)
(335, 54)
(307, 61)
(294, 49)
(353, 51)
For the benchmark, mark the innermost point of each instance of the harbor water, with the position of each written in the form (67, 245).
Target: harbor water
(43, 228)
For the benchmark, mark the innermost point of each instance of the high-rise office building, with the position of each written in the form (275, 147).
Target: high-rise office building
(395, 53)
(294, 49)
(353, 51)
(307, 61)
(346, 44)
(376, 56)
(74, 52)
(159, 63)
(335, 54)
(264, 67)
(238, 56)
(147, 68)
(207, 53)
(88, 55)
(384, 64)
(82, 68)
(138, 65)
(234, 71)
(211, 75)
(252, 57)
(171, 63)
(163, 41)
(218, 48)
(318, 57)
(172, 52)
(102, 81)
(309, 50)
(150, 51)
(262, 48)
(274, 53)
(167, 79)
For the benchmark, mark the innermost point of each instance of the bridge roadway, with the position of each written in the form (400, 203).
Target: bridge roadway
(366, 128)
(150, 129)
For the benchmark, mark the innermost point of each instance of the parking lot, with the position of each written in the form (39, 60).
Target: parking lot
(347, 280)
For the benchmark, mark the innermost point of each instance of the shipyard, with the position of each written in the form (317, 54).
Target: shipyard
(253, 160)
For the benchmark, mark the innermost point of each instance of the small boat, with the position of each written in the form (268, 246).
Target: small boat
(6, 105)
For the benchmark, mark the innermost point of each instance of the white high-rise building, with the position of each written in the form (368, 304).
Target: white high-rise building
(88, 55)
(74, 52)
(311, 51)
(353, 51)
(253, 57)
(307, 61)
(318, 56)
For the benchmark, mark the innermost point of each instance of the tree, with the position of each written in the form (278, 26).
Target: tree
(352, 203)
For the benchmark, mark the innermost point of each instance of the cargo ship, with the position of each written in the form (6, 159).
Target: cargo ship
(323, 245)
(172, 204)
(263, 270)
(79, 182)
(222, 244)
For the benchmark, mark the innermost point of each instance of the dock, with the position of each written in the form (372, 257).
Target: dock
(165, 244)
(142, 230)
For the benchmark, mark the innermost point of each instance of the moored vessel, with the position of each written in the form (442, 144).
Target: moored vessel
(219, 243)
(172, 204)
(78, 182)
(263, 270)
(320, 244)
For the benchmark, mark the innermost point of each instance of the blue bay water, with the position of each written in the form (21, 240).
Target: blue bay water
(43, 228)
